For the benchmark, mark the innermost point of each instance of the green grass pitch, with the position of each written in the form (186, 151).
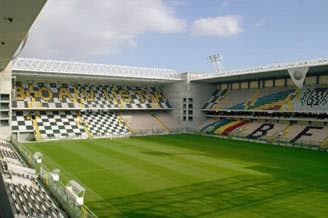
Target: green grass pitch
(192, 176)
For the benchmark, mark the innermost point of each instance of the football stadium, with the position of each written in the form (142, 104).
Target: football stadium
(97, 140)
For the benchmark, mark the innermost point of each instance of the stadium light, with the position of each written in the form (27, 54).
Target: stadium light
(216, 59)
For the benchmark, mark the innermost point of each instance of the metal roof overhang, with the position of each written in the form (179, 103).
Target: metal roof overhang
(38, 69)
(260, 75)
(47, 76)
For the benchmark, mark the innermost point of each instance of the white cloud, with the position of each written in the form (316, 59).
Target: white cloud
(222, 26)
(79, 29)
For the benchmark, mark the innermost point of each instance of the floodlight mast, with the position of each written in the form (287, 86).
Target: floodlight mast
(216, 59)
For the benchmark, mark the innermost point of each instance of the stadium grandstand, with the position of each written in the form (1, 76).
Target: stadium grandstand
(53, 100)
(107, 101)
(50, 100)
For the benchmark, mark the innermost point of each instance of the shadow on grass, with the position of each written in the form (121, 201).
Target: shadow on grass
(211, 199)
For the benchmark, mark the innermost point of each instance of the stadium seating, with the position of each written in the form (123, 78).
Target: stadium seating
(283, 99)
(58, 110)
(54, 96)
(22, 193)
(167, 120)
(29, 199)
(103, 124)
(204, 127)
(312, 99)
(272, 101)
(57, 124)
(215, 99)
(214, 125)
(9, 154)
(144, 122)
(315, 135)
(67, 124)
(21, 121)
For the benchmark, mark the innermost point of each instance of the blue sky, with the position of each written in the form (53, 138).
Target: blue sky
(264, 32)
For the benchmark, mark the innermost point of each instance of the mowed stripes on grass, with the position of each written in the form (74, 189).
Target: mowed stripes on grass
(192, 176)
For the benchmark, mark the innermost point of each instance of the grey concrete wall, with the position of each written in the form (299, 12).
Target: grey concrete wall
(174, 93)
(200, 92)
(5, 88)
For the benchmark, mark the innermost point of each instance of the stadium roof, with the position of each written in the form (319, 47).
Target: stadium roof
(53, 68)
(16, 19)
(316, 66)
(42, 69)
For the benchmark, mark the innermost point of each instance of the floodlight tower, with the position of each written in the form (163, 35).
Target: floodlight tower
(216, 59)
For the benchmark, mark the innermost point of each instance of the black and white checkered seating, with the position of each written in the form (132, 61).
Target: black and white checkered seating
(51, 124)
(57, 111)
(27, 198)
(66, 124)
(312, 99)
(104, 123)
(59, 125)
(100, 96)
(21, 121)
